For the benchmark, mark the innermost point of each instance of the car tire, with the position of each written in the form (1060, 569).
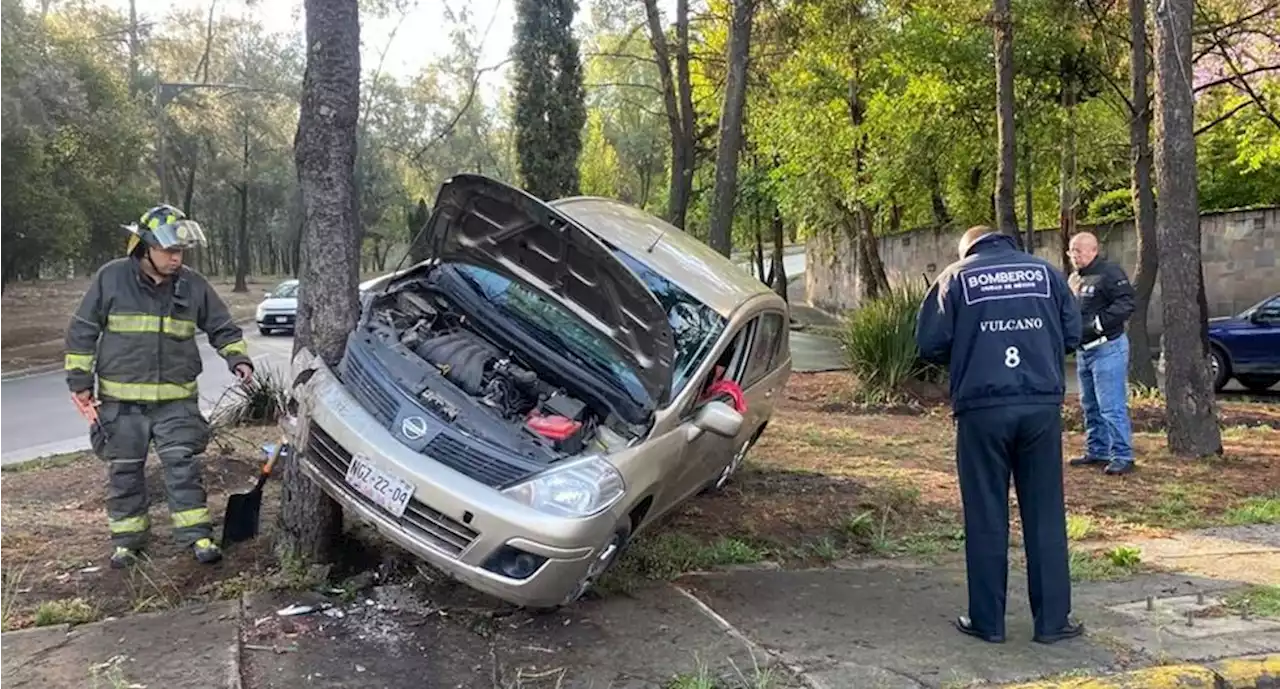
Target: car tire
(1221, 370)
(1258, 382)
(264, 331)
(731, 469)
(619, 541)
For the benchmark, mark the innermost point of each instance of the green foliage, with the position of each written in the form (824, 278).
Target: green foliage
(549, 113)
(1111, 206)
(880, 344)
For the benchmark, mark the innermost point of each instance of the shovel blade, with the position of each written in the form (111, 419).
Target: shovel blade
(241, 520)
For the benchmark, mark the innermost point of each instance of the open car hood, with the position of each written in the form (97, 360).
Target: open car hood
(484, 222)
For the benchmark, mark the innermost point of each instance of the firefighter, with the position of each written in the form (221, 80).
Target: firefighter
(134, 336)
(1003, 322)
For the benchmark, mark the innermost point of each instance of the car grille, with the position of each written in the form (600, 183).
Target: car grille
(441, 530)
(489, 470)
(362, 382)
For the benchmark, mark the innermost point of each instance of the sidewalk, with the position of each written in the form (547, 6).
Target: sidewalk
(875, 624)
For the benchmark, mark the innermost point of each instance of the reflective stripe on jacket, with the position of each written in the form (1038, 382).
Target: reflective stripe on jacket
(138, 338)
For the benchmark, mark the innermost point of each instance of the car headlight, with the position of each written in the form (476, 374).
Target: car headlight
(262, 311)
(579, 489)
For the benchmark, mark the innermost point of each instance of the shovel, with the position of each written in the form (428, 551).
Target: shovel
(241, 520)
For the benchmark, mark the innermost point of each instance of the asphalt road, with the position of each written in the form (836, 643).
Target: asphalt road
(38, 418)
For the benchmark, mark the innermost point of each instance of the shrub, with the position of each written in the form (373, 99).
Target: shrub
(880, 344)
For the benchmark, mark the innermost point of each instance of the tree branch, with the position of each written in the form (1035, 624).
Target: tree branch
(616, 84)
(1243, 84)
(623, 56)
(1217, 30)
(466, 105)
(1224, 117)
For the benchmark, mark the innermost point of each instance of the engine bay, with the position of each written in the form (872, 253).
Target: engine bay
(468, 375)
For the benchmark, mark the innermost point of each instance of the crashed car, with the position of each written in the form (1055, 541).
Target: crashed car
(550, 382)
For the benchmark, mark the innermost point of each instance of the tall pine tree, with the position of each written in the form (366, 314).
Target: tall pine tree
(550, 112)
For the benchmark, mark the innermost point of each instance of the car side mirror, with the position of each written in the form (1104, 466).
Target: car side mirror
(718, 418)
(266, 295)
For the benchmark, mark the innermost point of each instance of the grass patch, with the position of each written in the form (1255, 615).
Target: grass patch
(65, 611)
(51, 462)
(1080, 527)
(1117, 563)
(1258, 601)
(1259, 510)
(12, 582)
(703, 678)
(1177, 506)
(669, 554)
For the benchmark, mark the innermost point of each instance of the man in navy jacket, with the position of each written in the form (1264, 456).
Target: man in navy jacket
(1002, 321)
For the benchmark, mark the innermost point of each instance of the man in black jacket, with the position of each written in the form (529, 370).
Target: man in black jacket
(1102, 364)
(1003, 322)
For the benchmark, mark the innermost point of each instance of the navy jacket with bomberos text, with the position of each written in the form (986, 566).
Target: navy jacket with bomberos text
(1002, 321)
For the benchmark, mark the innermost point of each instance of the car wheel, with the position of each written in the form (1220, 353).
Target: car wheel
(735, 463)
(1219, 368)
(264, 331)
(604, 561)
(1258, 383)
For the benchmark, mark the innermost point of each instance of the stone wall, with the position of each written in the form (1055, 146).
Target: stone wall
(1239, 249)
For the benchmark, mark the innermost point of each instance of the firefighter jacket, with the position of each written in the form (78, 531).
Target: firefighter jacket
(139, 338)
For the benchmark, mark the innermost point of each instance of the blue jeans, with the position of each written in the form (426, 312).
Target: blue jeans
(1104, 395)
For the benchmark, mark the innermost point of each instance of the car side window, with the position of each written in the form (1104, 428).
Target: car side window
(1270, 311)
(769, 331)
(733, 361)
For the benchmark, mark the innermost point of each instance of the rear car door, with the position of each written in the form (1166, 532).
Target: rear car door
(1257, 346)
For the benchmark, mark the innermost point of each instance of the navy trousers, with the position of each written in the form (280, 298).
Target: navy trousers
(1025, 443)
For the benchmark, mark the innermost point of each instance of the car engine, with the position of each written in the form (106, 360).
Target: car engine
(498, 381)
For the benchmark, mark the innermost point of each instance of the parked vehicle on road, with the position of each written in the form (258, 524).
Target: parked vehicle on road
(279, 308)
(553, 380)
(1247, 346)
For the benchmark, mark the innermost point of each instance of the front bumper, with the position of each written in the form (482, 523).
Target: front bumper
(277, 320)
(452, 522)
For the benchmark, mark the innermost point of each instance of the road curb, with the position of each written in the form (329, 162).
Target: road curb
(1258, 672)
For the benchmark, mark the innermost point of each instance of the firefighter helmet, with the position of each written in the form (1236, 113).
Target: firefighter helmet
(165, 227)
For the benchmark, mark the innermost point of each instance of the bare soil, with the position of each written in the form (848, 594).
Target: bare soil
(36, 315)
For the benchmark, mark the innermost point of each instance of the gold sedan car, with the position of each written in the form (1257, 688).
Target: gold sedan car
(552, 380)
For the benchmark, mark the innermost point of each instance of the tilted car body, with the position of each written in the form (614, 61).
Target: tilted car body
(516, 409)
(1247, 346)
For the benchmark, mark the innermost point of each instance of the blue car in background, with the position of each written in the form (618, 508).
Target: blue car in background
(1247, 346)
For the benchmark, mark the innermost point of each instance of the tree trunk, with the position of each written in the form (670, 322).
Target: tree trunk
(677, 98)
(1006, 215)
(735, 100)
(1141, 370)
(324, 152)
(938, 200)
(759, 248)
(1189, 403)
(1067, 173)
(779, 269)
(1028, 184)
(876, 276)
(242, 236)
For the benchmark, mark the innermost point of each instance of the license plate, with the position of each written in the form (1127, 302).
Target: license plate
(389, 492)
(282, 319)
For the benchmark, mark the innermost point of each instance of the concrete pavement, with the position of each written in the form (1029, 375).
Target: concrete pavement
(37, 418)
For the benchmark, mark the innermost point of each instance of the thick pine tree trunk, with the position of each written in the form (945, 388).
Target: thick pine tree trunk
(1006, 215)
(325, 152)
(1189, 403)
(1141, 370)
(735, 100)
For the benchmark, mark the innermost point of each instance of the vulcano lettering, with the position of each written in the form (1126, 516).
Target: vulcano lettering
(1011, 325)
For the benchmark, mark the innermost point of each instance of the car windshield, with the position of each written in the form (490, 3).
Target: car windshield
(550, 322)
(285, 290)
(695, 325)
(1272, 301)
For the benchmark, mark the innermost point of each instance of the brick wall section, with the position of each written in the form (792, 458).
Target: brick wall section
(1239, 249)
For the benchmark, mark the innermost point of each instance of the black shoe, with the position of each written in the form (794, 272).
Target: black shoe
(1117, 467)
(965, 626)
(1086, 461)
(1070, 631)
(206, 551)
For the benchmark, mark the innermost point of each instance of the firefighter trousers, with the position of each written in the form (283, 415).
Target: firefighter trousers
(179, 432)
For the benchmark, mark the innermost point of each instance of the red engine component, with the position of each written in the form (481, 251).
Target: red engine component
(558, 428)
(730, 389)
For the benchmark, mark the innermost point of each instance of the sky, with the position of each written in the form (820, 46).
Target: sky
(422, 36)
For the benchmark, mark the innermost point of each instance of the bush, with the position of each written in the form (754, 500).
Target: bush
(880, 343)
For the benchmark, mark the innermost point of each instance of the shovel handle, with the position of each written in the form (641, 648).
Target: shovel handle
(275, 454)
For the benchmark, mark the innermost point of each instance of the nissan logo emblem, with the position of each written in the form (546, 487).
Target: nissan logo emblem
(413, 427)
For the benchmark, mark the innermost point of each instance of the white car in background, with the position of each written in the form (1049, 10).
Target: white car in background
(279, 310)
